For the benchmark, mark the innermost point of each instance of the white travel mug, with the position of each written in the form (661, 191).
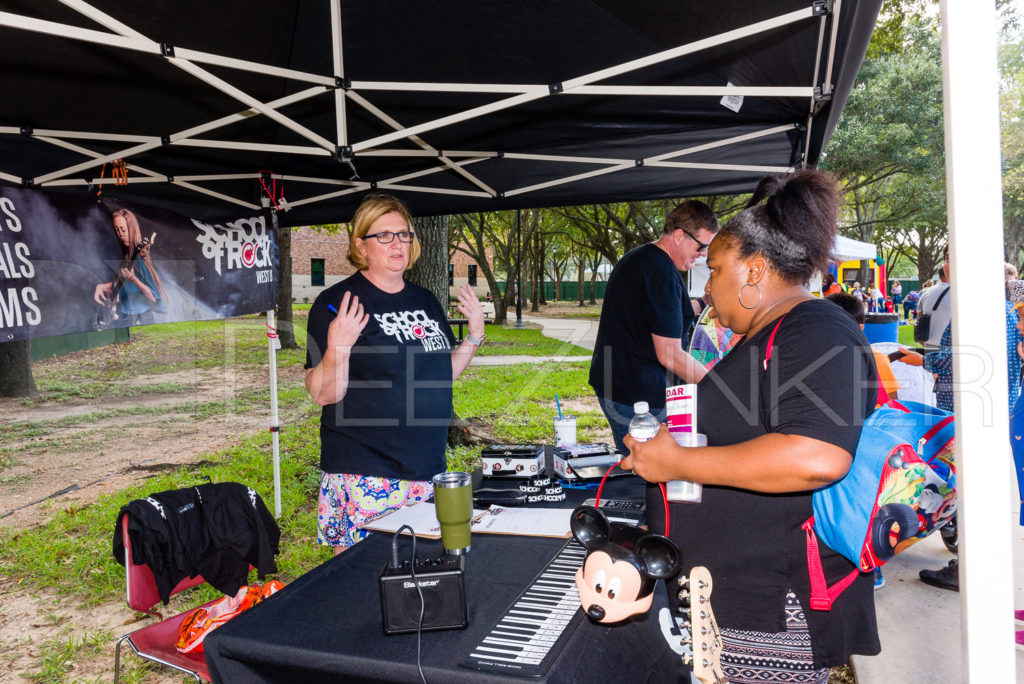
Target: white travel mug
(684, 491)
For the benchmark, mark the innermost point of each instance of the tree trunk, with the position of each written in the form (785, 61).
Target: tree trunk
(285, 325)
(431, 269)
(16, 369)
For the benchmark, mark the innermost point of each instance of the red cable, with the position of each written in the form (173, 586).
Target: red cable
(664, 495)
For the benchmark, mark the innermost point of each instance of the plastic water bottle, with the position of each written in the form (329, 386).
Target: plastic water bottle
(644, 426)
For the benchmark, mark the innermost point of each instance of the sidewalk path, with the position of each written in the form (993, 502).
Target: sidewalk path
(580, 332)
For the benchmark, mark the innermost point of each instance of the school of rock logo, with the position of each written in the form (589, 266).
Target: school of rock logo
(413, 325)
(239, 244)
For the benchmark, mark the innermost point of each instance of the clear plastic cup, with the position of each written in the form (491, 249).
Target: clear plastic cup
(565, 430)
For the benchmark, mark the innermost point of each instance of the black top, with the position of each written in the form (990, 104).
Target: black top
(393, 421)
(645, 296)
(820, 383)
(214, 530)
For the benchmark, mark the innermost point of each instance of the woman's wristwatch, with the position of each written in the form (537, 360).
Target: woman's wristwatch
(475, 340)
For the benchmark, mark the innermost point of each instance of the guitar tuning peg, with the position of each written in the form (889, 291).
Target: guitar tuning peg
(705, 662)
(688, 660)
(703, 615)
(704, 630)
(687, 641)
(702, 584)
(684, 611)
(703, 647)
(684, 581)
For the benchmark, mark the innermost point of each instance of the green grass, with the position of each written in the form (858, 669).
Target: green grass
(526, 341)
(57, 656)
(905, 336)
(71, 553)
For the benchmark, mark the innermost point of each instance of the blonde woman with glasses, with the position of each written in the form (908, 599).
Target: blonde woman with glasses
(380, 360)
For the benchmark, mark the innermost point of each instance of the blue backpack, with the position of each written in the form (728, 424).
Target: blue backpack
(900, 488)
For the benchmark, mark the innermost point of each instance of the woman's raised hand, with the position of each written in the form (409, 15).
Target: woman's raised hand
(348, 324)
(469, 306)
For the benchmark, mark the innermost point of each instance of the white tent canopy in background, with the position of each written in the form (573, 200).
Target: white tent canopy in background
(846, 249)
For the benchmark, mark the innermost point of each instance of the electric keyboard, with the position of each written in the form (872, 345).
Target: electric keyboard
(532, 631)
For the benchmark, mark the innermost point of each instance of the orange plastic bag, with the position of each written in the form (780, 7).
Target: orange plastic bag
(201, 621)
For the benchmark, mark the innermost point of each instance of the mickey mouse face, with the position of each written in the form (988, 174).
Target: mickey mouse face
(609, 589)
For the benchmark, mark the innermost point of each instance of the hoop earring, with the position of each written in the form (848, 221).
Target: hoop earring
(740, 295)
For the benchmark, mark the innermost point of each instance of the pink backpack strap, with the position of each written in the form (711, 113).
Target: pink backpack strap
(771, 342)
(822, 595)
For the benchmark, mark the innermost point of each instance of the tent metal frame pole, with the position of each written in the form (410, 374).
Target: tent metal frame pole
(447, 161)
(588, 79)
(140, 43)
(973, 189)
(695, 91)
(252, 147)
(174, 138)
(826, 85)
(202, 74)
(59, 142)
(622, 165)
(338, 55)
(275, 424)
(134, 167)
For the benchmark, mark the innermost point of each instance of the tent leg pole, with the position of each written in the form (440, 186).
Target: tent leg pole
(973, 197)
(275, 427)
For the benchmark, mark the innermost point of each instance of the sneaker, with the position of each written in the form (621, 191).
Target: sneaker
(880, 580)
(944, 578)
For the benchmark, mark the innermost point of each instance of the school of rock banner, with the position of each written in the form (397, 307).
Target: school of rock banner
(77, 264)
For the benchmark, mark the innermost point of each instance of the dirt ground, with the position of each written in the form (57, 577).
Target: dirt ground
(106, 453)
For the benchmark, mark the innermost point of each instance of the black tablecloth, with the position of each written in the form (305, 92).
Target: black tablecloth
(326, 625)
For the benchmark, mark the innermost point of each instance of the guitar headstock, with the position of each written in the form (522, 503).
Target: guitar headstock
(705, 637)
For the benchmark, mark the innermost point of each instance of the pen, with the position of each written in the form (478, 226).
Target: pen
(330, 307)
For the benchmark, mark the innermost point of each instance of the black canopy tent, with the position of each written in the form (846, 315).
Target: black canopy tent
(456, 105)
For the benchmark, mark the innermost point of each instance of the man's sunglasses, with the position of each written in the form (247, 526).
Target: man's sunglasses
(701, 246)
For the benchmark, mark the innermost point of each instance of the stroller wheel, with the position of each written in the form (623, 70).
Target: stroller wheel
(948, 532)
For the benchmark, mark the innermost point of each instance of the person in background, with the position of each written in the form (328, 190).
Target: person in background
(647, 318)
(830, 286)
(896, 291)
(777, 429)
(1011, 271)
(936, 301)
(910, 304)
(877, 303)
(380, 360)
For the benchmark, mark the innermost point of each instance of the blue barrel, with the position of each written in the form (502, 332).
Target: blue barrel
(882, 327)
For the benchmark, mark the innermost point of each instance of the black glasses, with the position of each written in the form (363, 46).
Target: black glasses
(386, 237)
(701, 246)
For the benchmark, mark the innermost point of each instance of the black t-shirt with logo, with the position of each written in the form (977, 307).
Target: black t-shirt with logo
(393, 420)
(645, 296)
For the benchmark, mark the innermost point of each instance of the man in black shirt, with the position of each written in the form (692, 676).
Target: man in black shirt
(646, 317)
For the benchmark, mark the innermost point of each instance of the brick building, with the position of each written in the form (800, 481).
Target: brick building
(320, 260)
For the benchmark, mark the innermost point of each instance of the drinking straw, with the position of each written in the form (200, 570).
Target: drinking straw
(559, 405)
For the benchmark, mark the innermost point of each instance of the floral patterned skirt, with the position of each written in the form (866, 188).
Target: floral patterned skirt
(347, 502)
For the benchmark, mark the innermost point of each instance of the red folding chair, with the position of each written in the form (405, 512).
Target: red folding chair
(155, 642)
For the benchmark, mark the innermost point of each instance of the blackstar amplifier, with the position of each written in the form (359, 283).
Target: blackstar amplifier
(442, 581)
(513, 460)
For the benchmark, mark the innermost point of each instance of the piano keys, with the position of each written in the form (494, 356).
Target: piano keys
(535, 627)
